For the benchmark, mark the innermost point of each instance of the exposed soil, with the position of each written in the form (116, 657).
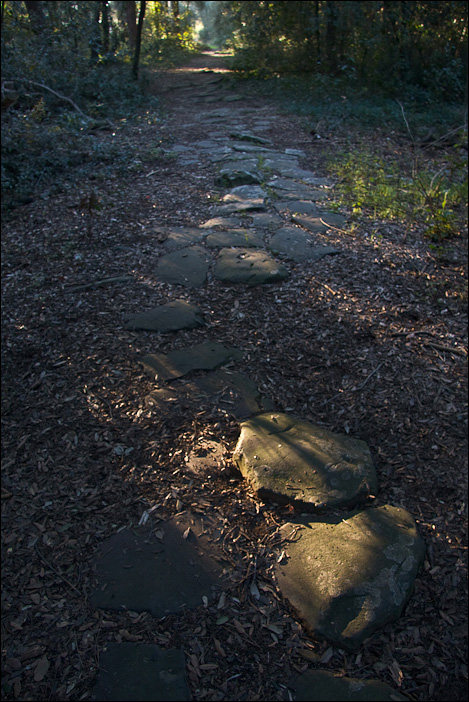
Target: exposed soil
(372, 342)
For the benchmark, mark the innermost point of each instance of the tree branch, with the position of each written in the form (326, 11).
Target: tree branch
(46, 87)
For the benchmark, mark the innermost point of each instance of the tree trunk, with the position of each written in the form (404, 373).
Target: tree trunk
(138, 40)
(317, 31)
(95, 38)
(36, 14)
(131, 19)
(331, 34)
(105, 25)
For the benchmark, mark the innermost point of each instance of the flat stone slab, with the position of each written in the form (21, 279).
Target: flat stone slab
(298, 245)
(297, 173)
(247, 136)
(230, 177)
(251, 149)
(205, 356)
(347, 576)
(241, 206)
(221, 390)
(243, 193)
(235, 237)
(248, 267)
(289, 460)
(265, 220)
(188, 267)
(304, 207)
(160, 571)
(179, 237)
(141, 672)
(324, 686)
(222, 222)
(173, 316)
(320, 222)
(289, 188)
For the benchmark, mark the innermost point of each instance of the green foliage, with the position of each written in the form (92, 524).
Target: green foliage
(65, 78)
(371, 186)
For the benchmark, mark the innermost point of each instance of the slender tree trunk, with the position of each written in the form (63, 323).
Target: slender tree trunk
(138, 40)
(331, 34)
(105, 25)
(95, 38)
(36, 14)
(317, 31)
(131, 19)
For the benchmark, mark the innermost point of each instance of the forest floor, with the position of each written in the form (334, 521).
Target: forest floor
(371, 342)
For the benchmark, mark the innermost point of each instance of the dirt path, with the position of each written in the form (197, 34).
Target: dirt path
(368, 344)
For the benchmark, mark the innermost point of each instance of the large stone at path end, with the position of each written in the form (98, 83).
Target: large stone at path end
(324, 686)
(205, 356)
(248, 267)
(173, 316)
(141, 672)
(163, 571)
(288, 460)
(347, 576)
(186, 267)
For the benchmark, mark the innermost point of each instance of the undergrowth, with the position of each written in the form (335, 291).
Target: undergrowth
(429, 196)
(415, 186)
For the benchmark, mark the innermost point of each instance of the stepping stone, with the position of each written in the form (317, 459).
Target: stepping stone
(218, 154)
(294, 207)
(227, 391)
(182, 236)
(251, 148)
(298, 245)
(141, 672)
(232, 176)
(246, 193)
(205, 356)
(234, 392)
(241, 206)
(235, 237)
(186, 267)
(289, 460)
(280, 162)
(247, 136)
(224, 222)
(348, 575)
(206, 144)
(322, 686)
(173, 316)
(265, 220)
(293, 190)
(320, 222)
(298, 174)
(248, 267)
(160, 571)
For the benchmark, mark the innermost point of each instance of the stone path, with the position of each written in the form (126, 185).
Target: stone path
(348, 568)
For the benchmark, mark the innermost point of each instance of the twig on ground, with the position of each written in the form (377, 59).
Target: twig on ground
(451, 349)
(62, 577)
(54, 92)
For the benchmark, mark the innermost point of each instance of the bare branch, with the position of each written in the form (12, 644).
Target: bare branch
(54, 92)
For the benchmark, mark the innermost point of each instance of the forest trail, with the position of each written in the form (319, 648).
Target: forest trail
(182, 563)
(211, 290)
